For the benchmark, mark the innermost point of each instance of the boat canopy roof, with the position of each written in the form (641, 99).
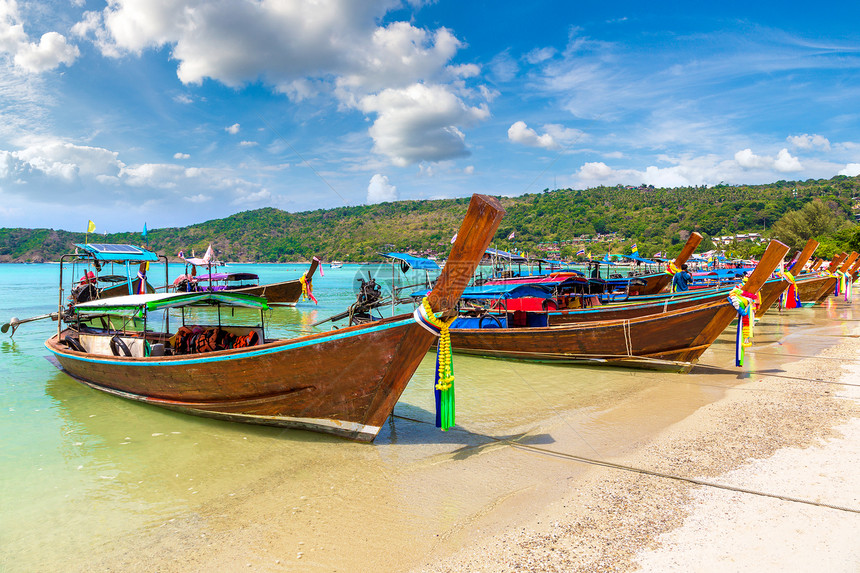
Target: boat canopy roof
(138, 303)
(506, 255)
(414, 262)
(639, 259)
(487, 292)
(105, 252)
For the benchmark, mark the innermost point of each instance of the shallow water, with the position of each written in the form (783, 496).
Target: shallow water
(90, 481)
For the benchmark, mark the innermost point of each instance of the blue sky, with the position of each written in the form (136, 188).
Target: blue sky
(180, 111)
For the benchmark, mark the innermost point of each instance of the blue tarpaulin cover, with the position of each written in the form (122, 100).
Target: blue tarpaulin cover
(483, 292)
(414, 262)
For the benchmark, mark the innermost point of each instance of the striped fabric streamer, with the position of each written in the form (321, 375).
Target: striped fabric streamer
(744, 303)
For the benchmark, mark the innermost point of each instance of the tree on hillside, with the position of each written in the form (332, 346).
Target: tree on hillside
(815, 219)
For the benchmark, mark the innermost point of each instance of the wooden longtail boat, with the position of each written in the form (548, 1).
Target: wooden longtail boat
(343, 382)
(673, 339)
(655, 283)
(286, 293)
(855, 268)
(807, 285)
(829, 286)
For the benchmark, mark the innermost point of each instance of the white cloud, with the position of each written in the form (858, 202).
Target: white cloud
(282, 42)
(598, 173)
(233, 129)
(399, 73)
(248, 143)
(160, 175)
(555, 136)
(744, 167)
(749, 160)
(67, 161)
(519, 132)
(180, 155)
(399, 55)
(261, 196)
(420, 123)
(539, 55)
(783, 163)
(96, 176)
(51, 50)
(851, 170)
(807, 141)
(380, 190)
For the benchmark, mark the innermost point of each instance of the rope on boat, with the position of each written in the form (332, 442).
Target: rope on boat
(628, 341)
(645, 471)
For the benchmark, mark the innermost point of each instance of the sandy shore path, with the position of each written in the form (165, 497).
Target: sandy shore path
(795, 434)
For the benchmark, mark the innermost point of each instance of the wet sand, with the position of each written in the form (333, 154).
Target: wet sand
(511, 489)
(796, 436)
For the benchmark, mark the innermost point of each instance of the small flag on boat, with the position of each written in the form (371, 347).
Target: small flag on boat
(454, 238)
(91, 227)
(207, 258)
(634, 249)
(144, 232)
(511, 236)
(660, 254)
(580, 252)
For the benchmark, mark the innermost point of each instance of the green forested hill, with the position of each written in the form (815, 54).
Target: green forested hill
(657, 219)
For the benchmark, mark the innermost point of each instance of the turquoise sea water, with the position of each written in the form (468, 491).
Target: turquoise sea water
(95, 482)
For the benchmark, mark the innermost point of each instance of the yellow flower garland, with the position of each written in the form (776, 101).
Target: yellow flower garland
(446, 370)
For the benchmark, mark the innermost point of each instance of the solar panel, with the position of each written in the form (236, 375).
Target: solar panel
(112, 248)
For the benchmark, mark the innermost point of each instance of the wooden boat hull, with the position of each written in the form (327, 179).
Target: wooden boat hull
(769, 293)
(286, 383)
(809, 287)
(634, 309)
(676, 338)
(828, 287)
(283, 293)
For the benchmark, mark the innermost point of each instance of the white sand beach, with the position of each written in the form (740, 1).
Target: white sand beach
(796, 435)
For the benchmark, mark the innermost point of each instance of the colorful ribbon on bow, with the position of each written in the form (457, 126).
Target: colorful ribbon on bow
(443, 387)
(307, 288)
(789, 298)
(744, 302)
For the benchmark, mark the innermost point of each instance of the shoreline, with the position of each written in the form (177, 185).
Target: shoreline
(779, 427)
